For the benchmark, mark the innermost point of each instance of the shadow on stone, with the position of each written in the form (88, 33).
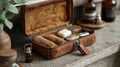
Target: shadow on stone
(76, 54)
(116, 62)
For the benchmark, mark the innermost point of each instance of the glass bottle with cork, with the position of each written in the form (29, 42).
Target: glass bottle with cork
(28, 53)
(108, 10)
(90, 11)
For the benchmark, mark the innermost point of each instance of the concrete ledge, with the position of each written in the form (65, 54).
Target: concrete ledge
(107, 43)
(95, 56)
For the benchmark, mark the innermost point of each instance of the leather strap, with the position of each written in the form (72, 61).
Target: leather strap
(83, 50)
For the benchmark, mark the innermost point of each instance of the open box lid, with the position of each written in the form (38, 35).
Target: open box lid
(45, 15)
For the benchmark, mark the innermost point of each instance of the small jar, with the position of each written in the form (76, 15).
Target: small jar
(28, 53)
(8, 57)
(9, 64)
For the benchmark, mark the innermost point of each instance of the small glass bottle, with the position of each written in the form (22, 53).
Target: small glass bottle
(8, 57)
(90, 11)
(28, 53)
(108, 10)
(9, 64)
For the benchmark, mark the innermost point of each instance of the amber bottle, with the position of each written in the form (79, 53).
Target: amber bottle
(108, 10)
(90, 11)
(28, 53)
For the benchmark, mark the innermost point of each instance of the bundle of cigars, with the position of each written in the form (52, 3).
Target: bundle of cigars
(60, 37)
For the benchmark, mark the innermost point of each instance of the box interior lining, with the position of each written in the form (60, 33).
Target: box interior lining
(45, 17)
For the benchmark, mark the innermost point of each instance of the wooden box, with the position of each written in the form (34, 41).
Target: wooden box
(47, 18)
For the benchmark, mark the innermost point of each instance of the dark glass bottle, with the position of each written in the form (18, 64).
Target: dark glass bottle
(108, 10)
(28, 53)
(90, 11)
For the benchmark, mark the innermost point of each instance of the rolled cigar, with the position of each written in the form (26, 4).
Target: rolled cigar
(55, 39)
(44, 42)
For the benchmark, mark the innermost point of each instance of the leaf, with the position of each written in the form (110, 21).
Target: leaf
(9, 15)
(3, 15)
(1, 5)
(8, 24)
(11, 8)
(18, 1)
(5, 2)
(24, 1)
(1, 26)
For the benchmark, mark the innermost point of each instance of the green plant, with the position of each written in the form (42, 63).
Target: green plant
(7, 11)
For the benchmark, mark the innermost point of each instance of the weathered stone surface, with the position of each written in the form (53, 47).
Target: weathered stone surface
(111, 61)
(108, 43)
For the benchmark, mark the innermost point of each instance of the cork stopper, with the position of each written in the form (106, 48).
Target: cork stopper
(7, 55)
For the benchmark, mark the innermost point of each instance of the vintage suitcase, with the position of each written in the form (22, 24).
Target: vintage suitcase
(45, 18)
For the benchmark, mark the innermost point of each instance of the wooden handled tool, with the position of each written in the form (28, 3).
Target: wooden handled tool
(83, 50)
